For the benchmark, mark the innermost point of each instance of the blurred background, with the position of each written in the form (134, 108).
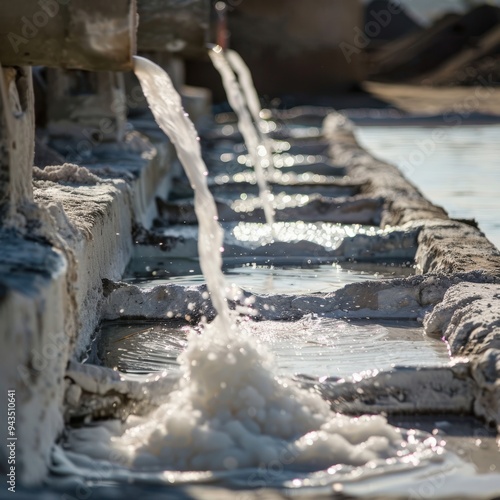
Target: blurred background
(420, 79)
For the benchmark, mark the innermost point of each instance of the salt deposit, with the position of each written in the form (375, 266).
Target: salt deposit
(230, 410)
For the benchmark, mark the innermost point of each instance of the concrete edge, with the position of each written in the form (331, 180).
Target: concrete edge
(445, 245)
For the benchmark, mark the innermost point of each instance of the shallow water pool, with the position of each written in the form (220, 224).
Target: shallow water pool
(312, 346)
(266, 279)
(456, 167)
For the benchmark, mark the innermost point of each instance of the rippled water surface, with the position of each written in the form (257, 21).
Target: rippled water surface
(265, 278)
(311, 346)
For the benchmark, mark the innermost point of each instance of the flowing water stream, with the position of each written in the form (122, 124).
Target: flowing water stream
(252, 99)
(261, 157)
(234, 416)
(247, 86)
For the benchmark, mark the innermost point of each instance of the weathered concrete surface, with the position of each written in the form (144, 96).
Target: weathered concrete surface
(401, 298)
(464, 387)
(36, 331)
(99, 392)
(405, 390)
(468, 318)
(145, 160)
(471, 387)
(450, 247)
(486, 372)
(90, 214)
(17, 136)
(403, 202)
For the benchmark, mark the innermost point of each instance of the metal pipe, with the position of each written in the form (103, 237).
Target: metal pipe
(175, 26)
(94, 35)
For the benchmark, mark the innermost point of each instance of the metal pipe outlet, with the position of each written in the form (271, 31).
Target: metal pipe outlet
(93, 35)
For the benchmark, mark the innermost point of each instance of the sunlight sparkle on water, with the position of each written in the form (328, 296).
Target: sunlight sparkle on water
(322, 233)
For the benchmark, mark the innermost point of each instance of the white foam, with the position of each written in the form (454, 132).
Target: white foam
(230, 410)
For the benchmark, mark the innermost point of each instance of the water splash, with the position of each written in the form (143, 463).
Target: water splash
(256, 148)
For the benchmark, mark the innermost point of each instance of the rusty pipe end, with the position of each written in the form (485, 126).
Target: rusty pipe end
(221, 28)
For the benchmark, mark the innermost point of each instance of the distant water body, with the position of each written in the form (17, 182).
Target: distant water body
(459, 172)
